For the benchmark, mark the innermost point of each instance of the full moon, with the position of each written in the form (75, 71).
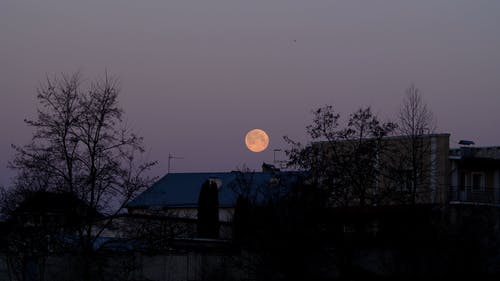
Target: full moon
(256, 140)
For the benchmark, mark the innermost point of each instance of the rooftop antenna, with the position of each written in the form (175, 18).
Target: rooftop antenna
(277, 162)
(170, 157)
(274, 155)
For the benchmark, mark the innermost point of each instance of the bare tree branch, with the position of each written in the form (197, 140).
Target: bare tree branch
(81, 146)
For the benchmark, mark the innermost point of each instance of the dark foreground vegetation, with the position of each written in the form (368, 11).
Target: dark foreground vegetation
(291, 240)
(294, 238)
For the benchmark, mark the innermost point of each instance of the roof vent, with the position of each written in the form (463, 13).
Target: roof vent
(466, 142)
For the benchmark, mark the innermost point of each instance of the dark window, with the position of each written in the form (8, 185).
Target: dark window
(477, 181)
(463, 181)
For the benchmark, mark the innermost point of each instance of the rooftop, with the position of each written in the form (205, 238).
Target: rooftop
(491, 152)
(182, 189)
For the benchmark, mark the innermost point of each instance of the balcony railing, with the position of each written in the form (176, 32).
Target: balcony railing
(468, 194)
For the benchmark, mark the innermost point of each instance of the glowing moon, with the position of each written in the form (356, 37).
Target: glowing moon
(257, 140)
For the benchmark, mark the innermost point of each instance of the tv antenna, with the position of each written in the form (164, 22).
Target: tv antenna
(276, 162)
(170, 157)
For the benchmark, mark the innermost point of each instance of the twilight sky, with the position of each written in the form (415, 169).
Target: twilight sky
(197, 75)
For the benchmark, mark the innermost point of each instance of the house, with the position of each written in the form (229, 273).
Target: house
(176, 194)
(475, 175)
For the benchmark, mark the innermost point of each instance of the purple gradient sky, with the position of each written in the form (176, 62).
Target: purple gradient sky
(197, 75)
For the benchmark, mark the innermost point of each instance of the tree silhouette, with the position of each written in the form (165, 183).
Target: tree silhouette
(81, 146)
(411, 164)
(208, 211)
(343, 159)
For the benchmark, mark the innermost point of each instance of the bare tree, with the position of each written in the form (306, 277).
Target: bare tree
(343, 159)
(412, 168)
(415, 118)
(81, 145)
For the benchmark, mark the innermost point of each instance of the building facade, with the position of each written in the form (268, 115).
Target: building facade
(475, 175)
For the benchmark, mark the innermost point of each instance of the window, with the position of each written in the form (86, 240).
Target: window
(477, 181)
(463, 181)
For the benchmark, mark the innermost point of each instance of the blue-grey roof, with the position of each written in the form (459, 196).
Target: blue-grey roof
(182, 189)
